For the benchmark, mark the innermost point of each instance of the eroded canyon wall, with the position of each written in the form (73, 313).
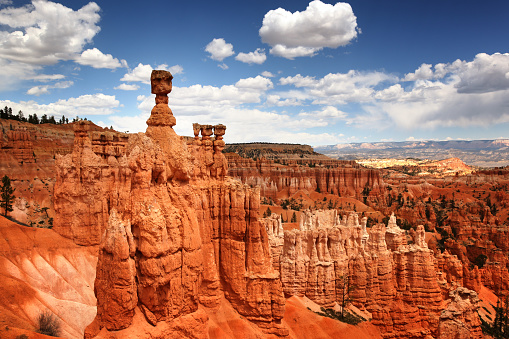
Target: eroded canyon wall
(174, 231)
(397, 280)
(343, 178)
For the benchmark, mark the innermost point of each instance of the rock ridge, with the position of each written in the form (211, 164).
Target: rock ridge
(173, 230)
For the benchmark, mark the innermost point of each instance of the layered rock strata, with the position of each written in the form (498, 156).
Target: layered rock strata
(339, 178)
(174, 231)
(275, 232)
(460, 318)
(397, 282)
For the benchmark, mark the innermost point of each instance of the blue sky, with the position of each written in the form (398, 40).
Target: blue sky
(279, 71)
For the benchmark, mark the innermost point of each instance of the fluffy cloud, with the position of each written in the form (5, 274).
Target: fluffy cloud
(437, 104)
(11, 73)
(198, 100)
(340, 88)
(85, 105)
(127, 87)
(202, 98)
(39, 34)
(422, 73)
(39, 90)
(293, 52)
(219, 49)
(486, 73)
(305, 33)
(298, 81)
(95, 58)
(44, 32)
(141, 73)
(177, 69)
(391, 93)
(223, 108)
(328, 113)
(462, 93)
(258, 83)
(267, 74)
(275, 100)
(437, 96)
(256, 57)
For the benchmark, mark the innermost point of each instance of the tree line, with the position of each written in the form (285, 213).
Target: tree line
(6, 113)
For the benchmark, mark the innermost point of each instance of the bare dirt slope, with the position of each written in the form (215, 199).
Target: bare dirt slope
(39, 271)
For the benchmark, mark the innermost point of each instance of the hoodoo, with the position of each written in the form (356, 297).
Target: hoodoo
(175, 233)
(183, 250)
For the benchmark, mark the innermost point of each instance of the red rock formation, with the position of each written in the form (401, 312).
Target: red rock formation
(115, 277)
(273, 178)
(174, 231)
(460, 318)
(189, 228)
(401, 285)
(27, 156)
(275, 233)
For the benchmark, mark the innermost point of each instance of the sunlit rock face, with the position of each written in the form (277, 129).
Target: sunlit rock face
(335, 177)
(174, 231)
(399, 282)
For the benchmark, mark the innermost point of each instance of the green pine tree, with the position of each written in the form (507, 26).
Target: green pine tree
(7, 196)
(294, 217)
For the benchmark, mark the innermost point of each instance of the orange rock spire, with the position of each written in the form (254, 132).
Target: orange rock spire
(161, 114)
(175, 233)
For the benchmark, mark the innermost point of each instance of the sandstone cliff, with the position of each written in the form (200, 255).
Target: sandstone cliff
(400, 284)
(335, 177)
(174, 231)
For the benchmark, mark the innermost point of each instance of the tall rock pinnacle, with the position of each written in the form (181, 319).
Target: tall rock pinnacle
(161, 114)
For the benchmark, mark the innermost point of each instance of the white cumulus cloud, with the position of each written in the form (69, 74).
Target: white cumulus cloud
(256, 57)
(340, 88)
(97, 59)
(177, 69)
(141, 73)
(276, 100)
(220, 105)
(328, 113)
(422, 73)
(305, 33)
(258, 83)
(127, 87)
(84, 105)
(44, 32)
(293, 52)
(12, 73)
(486, 73)
(219, 49)
(39, 90)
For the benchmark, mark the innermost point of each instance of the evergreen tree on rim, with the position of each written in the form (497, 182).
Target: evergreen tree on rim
(7, 196)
